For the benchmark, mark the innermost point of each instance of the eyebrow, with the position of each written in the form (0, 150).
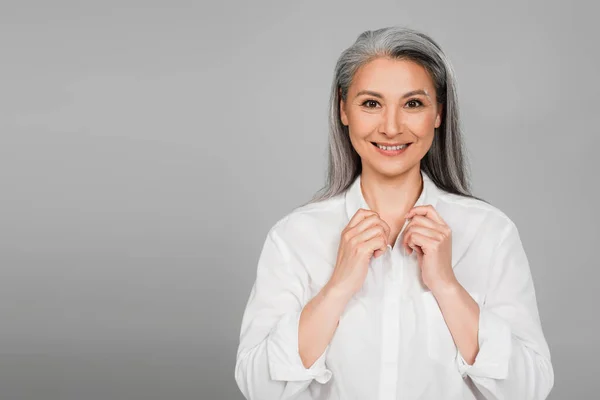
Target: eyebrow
(378, 95)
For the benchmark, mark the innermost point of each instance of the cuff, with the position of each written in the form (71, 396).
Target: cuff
(495, 347)
(283, 355)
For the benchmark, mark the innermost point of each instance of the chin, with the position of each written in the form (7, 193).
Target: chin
(392, 171)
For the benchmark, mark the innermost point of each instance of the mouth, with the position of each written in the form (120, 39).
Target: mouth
(391, 150)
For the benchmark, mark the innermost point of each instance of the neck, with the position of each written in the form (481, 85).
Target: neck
(392, 196)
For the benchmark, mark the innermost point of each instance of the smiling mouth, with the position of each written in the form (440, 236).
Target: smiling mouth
(391, 148)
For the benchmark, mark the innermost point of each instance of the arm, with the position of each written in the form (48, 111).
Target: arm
(283, 345)
(318, 322)
(504, 337)
(461, 314)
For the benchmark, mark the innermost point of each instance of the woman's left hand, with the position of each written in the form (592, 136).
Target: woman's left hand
(429, 235)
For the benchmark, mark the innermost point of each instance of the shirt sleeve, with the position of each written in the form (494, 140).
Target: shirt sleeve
(268, 363)
(513, 361)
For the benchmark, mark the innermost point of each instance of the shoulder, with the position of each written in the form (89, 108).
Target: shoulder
(470, 205)
(312, 219)
(468, 214)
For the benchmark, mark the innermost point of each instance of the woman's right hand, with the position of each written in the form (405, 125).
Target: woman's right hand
(365, 235)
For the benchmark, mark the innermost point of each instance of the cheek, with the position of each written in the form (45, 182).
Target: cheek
(425, 134)
(363, 124)
(360, 128)
(422, 126)
(422, 145)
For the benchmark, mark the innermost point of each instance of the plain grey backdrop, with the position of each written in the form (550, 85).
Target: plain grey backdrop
(147, 147)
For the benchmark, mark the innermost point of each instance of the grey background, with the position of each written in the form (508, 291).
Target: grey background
(147, 147)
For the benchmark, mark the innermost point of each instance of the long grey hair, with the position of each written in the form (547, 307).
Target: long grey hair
(445, 162)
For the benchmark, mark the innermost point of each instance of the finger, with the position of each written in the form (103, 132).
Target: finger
(364, 236)
(386, 228)
(424, 243)
(411, 246)
(430, 233)
(371, 221)
(359, 215)
(362, 214)
(419, 220)
(427, 211)
(408, 244)
(376, 243)
(366, 223)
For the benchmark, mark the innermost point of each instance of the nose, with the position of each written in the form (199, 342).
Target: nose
(391, 122)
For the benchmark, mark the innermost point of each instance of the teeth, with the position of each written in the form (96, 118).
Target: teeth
(392, 147)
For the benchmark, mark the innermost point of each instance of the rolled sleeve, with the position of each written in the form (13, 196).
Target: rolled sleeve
(284, 359)
(513, 359)
(268, 363)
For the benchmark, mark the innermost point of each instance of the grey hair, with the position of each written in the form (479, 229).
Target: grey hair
(445, 162)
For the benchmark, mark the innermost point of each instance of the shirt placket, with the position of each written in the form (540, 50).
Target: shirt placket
(390, 329)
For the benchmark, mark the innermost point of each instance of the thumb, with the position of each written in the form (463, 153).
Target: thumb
(419, 255)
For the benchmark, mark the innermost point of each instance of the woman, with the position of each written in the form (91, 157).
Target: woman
(396, 282)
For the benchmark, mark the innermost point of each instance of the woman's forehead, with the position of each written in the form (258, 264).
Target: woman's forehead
(392, 78)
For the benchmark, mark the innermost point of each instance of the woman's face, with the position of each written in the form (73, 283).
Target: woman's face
(391, 102)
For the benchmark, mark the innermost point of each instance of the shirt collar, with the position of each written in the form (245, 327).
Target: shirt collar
(355, 199)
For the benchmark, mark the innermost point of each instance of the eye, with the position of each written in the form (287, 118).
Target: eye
(414, 101)
(370, 101)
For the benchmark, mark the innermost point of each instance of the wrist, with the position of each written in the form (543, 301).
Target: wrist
(335, 293)
(445, 288)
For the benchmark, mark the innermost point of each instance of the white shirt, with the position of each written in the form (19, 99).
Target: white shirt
(392, 341)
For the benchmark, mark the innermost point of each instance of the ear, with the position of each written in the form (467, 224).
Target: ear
(438, 117)
(343, 115)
